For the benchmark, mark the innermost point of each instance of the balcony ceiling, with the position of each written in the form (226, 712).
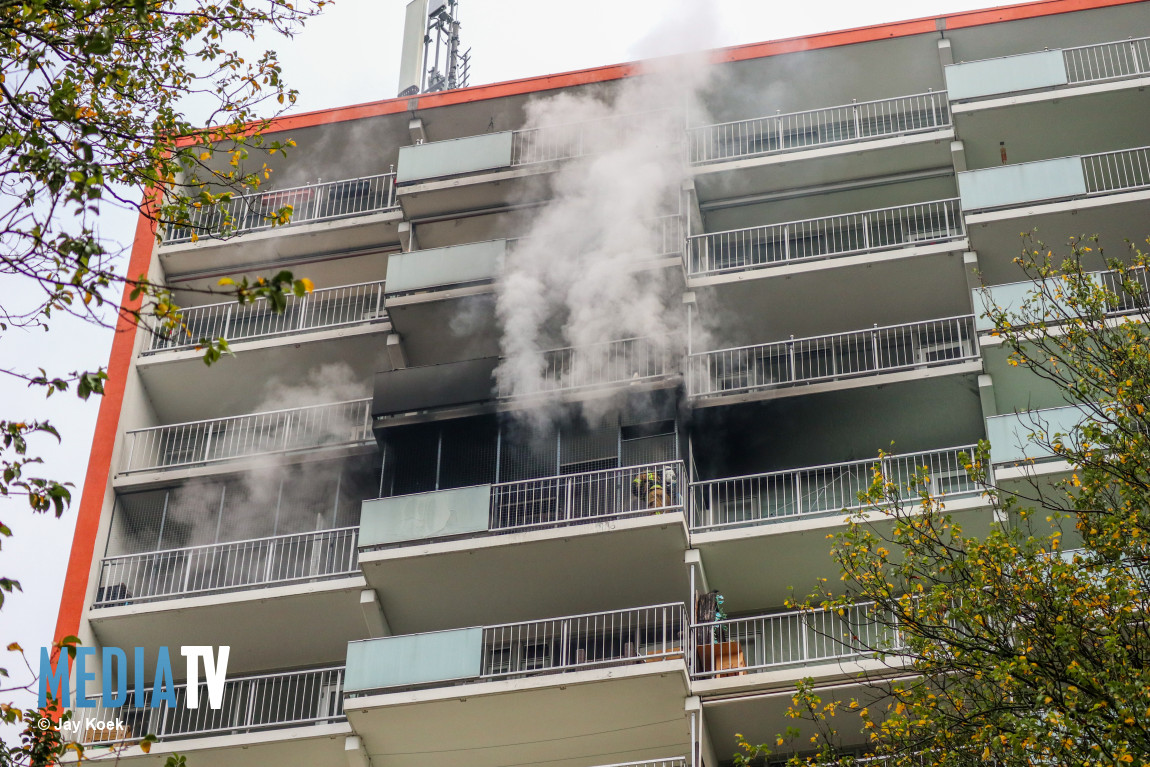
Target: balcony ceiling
(606, 565)
(267, 629)
(1081, 120)
(576, 719)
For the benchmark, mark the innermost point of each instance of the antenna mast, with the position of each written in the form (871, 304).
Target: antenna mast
(432, 56)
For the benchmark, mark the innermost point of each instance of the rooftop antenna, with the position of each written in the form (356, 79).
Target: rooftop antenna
(432, 59)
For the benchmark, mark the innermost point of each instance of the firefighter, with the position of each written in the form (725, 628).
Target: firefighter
(649, 485)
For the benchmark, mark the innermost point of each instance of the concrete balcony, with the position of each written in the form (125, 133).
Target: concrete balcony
(1104, 193)
(777, 650)
(840, 143)
(894, 264)
(293, 718)
(749, 528)
(578, 535)
(330, 325)
(575, 687)
(326, 217)
(441, 301)
(1001, 100)
(226, 567)
(495, 170)
(210, 446)
(804, 366)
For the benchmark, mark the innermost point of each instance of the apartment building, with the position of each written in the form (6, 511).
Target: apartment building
(425, 541)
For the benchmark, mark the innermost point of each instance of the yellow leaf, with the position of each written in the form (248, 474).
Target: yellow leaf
(15, 647)
(146, 746)
(206, 156)
(226, 281)
(308, 285)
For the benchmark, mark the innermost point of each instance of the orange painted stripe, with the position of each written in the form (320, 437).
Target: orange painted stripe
(100, 459)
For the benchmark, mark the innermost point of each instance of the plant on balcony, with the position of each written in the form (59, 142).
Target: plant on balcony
(1019, 646)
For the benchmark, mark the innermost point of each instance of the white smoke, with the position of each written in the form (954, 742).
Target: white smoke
(583, 275)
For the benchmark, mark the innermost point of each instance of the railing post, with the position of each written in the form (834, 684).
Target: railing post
(792, 371)
(786, 243)
(798, 493)
(858, 124)
(208, 441)
(874, 346)
(1135, 57)
(866, 231)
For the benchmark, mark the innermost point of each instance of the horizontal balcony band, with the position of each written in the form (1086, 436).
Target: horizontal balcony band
(1049, 69)
(250, 703)
(521, 506)
(516, 650)
(322, 309)
(575, 368)
(779, 496)
(315, 202)
(1011, 297)
(224, 567)
(859, 121)
(739, 646)
(825, 237)
(1062, 178)
(833, 357)
(224, 439)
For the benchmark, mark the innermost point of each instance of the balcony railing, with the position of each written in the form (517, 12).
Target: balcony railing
(779, 496)
(586, 497)
(834, 357)
(1121, 171)
(819, 127)
(582, 641)
(516, 650)
(564, 142)
(1107, 61)
(220, 567)
(530, 504)
(631, 360)
(322, 309)
(314, 202)
(223, 439)
(830, 236)
(737, 646)
(250, 703)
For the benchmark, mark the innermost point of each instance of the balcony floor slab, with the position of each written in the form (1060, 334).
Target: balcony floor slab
(265, 627)
(578, 718)
(570, 570)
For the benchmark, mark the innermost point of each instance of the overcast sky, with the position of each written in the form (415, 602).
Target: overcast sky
(349, 55)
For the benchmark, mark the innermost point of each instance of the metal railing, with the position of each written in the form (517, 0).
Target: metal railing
(1120, 171)
(1126, 302)
(589, 496)
(819, 127)
(1107, 61)
(323, 308)
(830, 236)
(549, 143)
(736, 646)
(777, 496)
(833, 357)
(219, 567)
(222, 439)
(314, 202)
(615, 638)
(629, 360)
(256, 702)
(678, 761)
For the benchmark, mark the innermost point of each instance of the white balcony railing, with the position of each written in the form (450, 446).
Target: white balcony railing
(834, 357)
(214, 568)
(830, 236)
(572, 368)
(550, 143)
(314, 202)
(258, 702)
(1107, 61)
(1121, 171)
(223, 439)
(819, 127)
(778, 496)
(737, 646)
(324, 308)
(589, 496)
(613, 638)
